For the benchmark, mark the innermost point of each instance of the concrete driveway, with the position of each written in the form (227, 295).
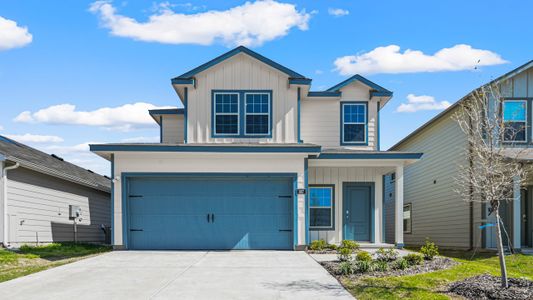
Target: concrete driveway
(182, 275)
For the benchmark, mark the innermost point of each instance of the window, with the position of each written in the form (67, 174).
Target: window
(321, 207)
(257, 113)
(515, 120)
(407, 224)
(226, 113)
(241, 114)
(353, 129)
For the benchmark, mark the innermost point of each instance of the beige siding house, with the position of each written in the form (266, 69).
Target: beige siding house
(255, 160)
(37, 193)
(436, 210)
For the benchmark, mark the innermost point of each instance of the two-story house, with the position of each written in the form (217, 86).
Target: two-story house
(255, 160)
(434, 209)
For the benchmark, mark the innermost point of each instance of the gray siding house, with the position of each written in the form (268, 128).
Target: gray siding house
(433, 209)
(36, 192)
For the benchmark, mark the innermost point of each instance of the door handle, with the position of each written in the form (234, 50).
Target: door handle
(208, 217)
(136, 230)
(212, 218)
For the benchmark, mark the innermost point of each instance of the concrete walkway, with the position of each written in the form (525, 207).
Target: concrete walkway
(182, 275)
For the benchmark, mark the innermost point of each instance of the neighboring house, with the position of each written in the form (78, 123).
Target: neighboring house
(36, 192)
(255, 160)
(432, 206)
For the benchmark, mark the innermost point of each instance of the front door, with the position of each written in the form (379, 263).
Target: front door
(357, 210)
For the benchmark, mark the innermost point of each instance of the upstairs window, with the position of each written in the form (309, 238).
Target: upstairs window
(515, 120)
(226, 113)
(354, 123)
(321, 207)
(257, 113)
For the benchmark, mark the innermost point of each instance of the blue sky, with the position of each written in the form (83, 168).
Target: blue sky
(121, 55)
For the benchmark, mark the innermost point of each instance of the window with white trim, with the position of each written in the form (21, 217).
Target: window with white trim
(407, 223)
(321, 207)
(354, 123)
(226, 117)
(515, 120)
(257, 114)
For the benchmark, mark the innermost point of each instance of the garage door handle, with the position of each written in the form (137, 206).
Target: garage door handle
(285, 230)
(136, 230)
(208, 218)
(283, 196)
(212, 218)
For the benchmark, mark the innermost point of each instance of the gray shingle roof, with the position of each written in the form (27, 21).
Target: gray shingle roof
(45, 163)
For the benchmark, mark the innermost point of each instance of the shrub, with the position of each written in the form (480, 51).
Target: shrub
(344, 254)
(413, 259)
(363, 256)
(401, 264)
(386, 254)
(346, 268)
(318, 245)
(362, 266)
(380, 265)
(349, 244)
(331, 247)
(429, 250)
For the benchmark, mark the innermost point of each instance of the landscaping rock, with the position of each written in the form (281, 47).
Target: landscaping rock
(489, 287)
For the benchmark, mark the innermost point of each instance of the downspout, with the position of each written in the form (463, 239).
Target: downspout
(4, 189)
(471, 202)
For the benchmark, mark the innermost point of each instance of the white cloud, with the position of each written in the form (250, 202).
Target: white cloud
(389, 59)
(123, 118)
(250, 24)
(142, 139)
(34, 138)
(1, 127)
(12, 35)
(79, 148)
(423, 102)
(80, 155)
(318, 72)
(338, 12)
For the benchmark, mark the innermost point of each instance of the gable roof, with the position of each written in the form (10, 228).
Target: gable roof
(52, 165)
(505, 76)
(378, 90)
(187, 77)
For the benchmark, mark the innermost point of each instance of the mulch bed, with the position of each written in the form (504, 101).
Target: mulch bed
(484, 287)
(439, 263)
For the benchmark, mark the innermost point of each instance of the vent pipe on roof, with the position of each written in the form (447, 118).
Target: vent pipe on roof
(5, 240)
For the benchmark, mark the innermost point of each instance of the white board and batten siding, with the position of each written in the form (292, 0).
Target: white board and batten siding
(242, 72)
(321, 118)
(154, 162)
(520, 85)
(173, 129)
(337, 176)
(38, 208)
(438, 211)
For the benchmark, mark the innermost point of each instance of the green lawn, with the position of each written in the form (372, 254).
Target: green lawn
(431, 285)
(31, 259)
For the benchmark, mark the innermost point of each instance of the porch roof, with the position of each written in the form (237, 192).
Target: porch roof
(343, 153)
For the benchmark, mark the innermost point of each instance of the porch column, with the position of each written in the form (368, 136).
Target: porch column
(517, 215)
(398, 235)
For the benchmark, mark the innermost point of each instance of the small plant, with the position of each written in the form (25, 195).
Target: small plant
(363, 256)
(401, 264)
(380, 265)
(349, 244)
(429, 250)
(414, 259)
(346, 268)
(331, 246)
(362, 266)
(387, 255)
(318, 245)
(344, 254)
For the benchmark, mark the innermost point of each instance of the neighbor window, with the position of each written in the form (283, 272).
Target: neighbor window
(257, 113)
(226, 113)
(515, 120)
(407, 224)
(354, 123)
(321, 207)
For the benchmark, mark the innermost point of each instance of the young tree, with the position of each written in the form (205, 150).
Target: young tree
(493, 166)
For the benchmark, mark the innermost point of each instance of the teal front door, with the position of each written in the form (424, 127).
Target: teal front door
(210, 212)
(358, 201)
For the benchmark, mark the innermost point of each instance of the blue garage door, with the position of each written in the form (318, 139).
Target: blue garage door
(210, 213)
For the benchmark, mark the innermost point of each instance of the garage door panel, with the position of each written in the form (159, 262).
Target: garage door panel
(249, 213)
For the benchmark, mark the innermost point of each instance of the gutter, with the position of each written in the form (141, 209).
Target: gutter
(4, 189)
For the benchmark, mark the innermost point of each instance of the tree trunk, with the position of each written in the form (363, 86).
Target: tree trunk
(501, 253)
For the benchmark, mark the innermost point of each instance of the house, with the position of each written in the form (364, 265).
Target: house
(433, 208)
(39, 190)
(255, 160)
